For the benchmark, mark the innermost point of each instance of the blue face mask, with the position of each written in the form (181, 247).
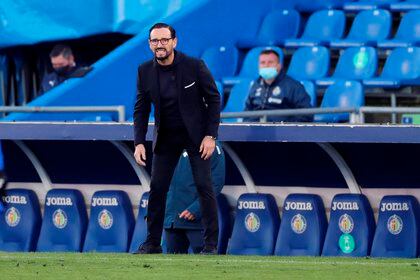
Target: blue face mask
(268, 73)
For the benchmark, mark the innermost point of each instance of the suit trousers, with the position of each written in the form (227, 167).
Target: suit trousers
(169, 147)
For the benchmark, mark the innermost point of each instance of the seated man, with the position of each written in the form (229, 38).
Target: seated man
(182, 223)
(64, 65)
(275, 90)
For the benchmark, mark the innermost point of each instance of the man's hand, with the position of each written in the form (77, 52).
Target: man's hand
(187, 215)
(207, 147)
(140, 154)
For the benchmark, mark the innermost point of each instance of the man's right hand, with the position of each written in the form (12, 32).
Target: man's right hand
(140, 154)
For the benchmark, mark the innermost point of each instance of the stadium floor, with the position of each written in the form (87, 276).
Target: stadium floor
(126, 266)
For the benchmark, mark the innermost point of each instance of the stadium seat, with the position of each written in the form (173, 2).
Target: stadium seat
(219, 86)
(65, 222)
(367, 4)
(356, 63)
(303, 226)
(309, 63)
(111, 222)
(140, 230)
(20, 222)
(310, 90)
(402, 67)
(322, 27)
(342, 94)
(405, 6)
(256, 225)
(225, 223)
(408, 33)
(368, 28)
(272, 31)
(237, 99)
(351, 228)
(222, 61)
(397, 232)
(249, 68)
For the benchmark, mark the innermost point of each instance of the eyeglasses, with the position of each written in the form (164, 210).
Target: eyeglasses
(163, 41)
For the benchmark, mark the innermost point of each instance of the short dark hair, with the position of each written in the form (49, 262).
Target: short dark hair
(63, 50)
(163, 25)
(270, 51)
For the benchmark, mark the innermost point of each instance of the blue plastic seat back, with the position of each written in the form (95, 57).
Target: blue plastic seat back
(256, 225)
(402, 63)
(225, 223)
(238, 96)
(357, 63)
(303, 226)
(65, 222)
(310, 90)
(272, 31)
(250, 65)
(351, 228)
(371, 25)
(342, 94)
(325, 25)
(222, 61)
(111, 222)
(309, 63)
(409, 28)
(140, 230)
(397, 232)
(20, 222)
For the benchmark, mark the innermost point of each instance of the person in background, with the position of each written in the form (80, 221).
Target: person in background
(275, 90)
(182, 224)
(64, 65)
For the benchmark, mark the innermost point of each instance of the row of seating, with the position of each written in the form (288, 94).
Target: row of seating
(393, 5)
(304, 230)
(371, 27)
(402, 66)
(65, 226)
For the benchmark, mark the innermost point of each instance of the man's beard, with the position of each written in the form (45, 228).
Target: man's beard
(161, 58)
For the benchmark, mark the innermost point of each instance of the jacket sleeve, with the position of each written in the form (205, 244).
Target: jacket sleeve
(212, 98)
(301, 99)
(141, 111)
(217, 178)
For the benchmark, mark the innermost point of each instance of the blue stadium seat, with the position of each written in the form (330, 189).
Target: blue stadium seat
(256, 225)
(309, 63)
(20, 222)
(342, 94)
(65, 222)
(310, 90)
(222, 61)
(405, 6)
(356, 63)
(237, 98)
(249, 68)
(303, 226)
(225, 223)
(111, 222)
(408, 33)
(322, 27)
(219, 86)
(367, 4)
(368, 28)
(272, 31)
(397, 232)
(402, 67)
(351, 228)
(140, 230)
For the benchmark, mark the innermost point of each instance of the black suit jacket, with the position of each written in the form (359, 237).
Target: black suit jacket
(199, 99)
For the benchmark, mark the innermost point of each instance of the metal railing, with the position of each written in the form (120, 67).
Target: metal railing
(120, 110)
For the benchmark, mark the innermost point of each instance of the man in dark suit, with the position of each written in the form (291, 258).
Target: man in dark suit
(187, 116)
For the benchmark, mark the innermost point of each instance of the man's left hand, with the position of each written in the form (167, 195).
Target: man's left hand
(187, 215)
(207, 147)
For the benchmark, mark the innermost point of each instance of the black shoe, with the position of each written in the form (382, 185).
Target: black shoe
(147, 248)
(209, 251)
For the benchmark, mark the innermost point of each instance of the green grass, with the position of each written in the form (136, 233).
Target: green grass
(125, 266)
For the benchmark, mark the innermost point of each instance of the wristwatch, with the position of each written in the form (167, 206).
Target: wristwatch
(212, 137)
